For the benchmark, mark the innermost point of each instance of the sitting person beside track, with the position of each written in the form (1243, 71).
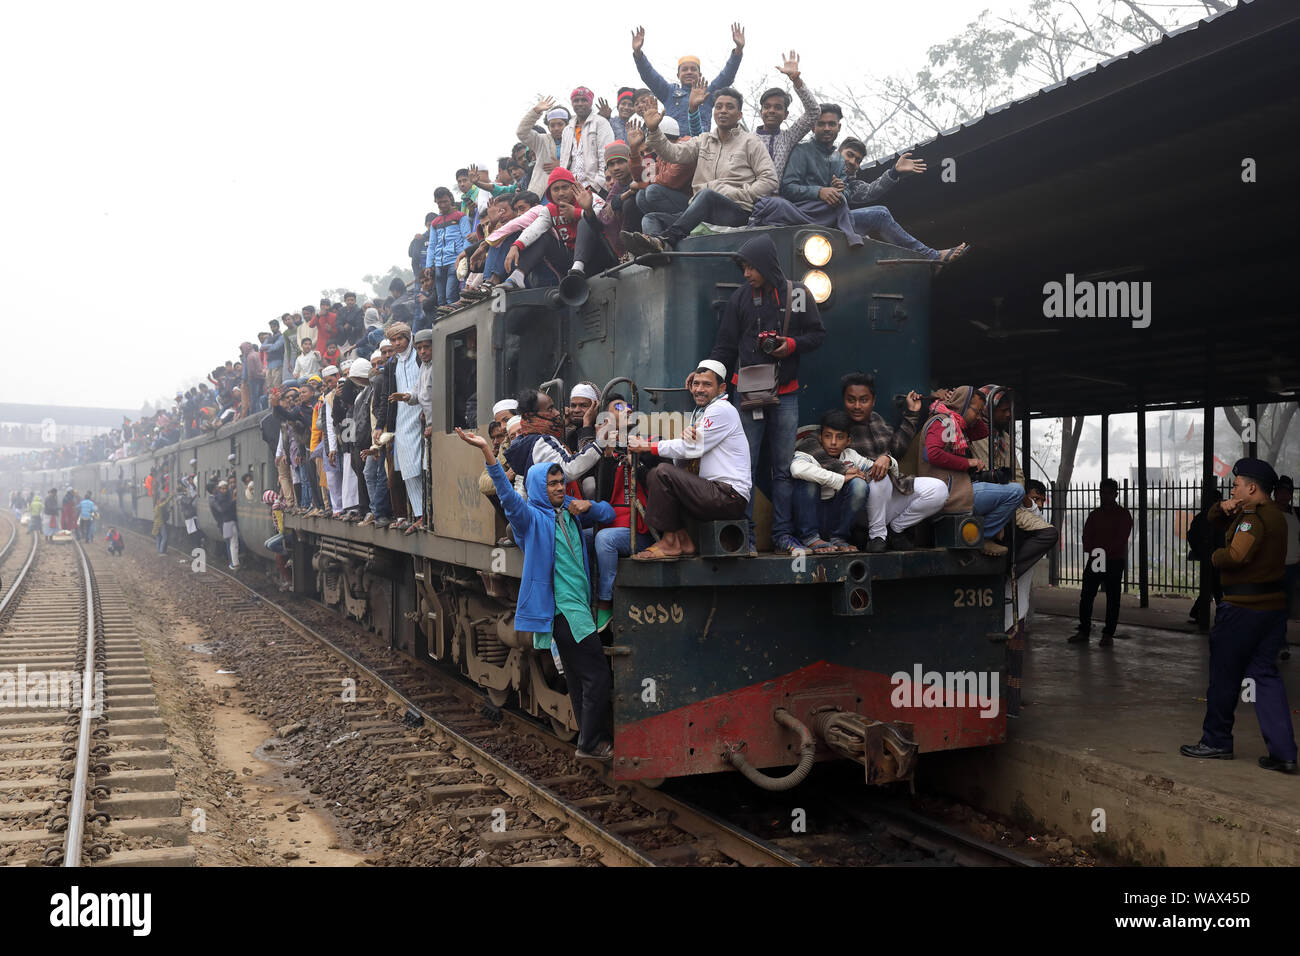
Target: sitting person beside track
(827, 501)
(555, 588)
(115, 544)
(718, 488)
(941, 450)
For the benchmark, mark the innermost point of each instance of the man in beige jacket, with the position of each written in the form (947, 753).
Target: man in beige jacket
(733, 170)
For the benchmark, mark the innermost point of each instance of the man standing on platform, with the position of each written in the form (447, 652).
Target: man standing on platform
(1105, 553)
(1250, 625)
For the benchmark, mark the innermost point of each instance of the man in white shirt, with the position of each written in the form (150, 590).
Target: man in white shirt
(721, 489)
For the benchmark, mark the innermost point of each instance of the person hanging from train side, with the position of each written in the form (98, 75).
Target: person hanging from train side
(555, 588)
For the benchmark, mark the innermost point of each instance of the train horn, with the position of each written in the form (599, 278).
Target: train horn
(573, 291)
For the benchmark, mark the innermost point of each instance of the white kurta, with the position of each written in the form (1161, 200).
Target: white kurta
(408, 441)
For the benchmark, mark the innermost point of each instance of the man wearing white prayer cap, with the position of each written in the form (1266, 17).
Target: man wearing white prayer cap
(581, 414)
(504, 409)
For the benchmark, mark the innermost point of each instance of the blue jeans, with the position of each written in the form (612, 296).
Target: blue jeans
(496, 259)
(446, 284)
(997, 503)
(816, 517)
(311, 491)
(708, 206)
(611, 544)
(161, 538)
(878, 223)
(659, 206)
(377, 487)
(778, 426)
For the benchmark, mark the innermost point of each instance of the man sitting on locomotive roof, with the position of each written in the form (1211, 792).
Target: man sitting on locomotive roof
(718, 487)
(941, 450)
(812, 184)
(768, 323)
(874, 220)
(732, 172)
(555, 587)
(676, 95)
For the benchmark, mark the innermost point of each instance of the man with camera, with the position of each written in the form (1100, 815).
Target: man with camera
(769, 322)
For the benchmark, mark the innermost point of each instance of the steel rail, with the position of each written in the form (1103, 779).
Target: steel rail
(623, 851)
(77, 805)
(7, 601)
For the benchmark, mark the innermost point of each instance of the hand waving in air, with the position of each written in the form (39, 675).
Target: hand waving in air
(737, 36)
(699, 93)
(638, 40)
(544, 105)
(602, 107)
(906, 164)
(791, 66)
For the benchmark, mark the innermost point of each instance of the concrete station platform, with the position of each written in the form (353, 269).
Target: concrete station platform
(1101, 730)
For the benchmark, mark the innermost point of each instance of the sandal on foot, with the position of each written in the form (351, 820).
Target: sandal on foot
(655, 553)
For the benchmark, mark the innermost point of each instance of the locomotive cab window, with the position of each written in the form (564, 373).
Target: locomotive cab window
(462, 379)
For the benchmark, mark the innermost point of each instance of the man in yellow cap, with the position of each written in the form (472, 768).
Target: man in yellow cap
(676, 96)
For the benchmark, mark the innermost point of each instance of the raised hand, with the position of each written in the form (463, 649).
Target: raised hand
(699, 93)
(602, 107)
(638, 39)
(791, 66)
(635, 133)
(913, 401)
(906, 164)
(478, 441)
(583, 197)
(652, 119)
(738, 36)
(544, 105)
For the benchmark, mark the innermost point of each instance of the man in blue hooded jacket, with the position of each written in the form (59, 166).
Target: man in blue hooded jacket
(555, 590)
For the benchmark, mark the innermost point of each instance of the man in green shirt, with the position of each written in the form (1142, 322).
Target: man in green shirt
(555, 588)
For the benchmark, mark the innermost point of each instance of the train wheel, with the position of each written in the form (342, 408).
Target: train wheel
(562, 731)
(654, 783)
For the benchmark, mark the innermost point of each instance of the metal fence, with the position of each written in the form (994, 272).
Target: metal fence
(1171, 506)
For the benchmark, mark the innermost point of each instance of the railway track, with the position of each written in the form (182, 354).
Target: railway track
(84, 767)
(489, 766)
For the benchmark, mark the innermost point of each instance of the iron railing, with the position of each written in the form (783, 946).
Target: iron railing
(1170, 508)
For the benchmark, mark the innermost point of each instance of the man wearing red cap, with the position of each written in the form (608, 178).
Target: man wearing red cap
(582, 147)
(676, 96)
(557, 236)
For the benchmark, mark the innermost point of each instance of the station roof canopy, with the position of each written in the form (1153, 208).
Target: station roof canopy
(1129, 172)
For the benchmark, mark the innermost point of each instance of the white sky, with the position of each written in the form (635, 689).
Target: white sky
(177, 174)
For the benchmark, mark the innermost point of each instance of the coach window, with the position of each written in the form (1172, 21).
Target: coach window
(462, 379)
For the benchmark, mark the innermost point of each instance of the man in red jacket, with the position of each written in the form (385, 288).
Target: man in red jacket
(1105, 553)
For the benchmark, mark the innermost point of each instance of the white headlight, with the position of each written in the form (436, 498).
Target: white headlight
(819, 284)
(817, 250)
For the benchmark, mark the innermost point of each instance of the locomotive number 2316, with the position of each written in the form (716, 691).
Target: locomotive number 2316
(972, 597)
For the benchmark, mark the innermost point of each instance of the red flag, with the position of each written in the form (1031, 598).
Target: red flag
(1221, 468)
(1191, 429)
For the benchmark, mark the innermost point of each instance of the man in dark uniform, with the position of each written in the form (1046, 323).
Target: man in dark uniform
(1250, 623)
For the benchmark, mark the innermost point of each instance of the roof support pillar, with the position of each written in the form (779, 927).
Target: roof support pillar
(1144, 598)
(1207, 482)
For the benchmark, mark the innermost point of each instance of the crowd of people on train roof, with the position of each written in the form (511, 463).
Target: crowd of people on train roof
(586, 185)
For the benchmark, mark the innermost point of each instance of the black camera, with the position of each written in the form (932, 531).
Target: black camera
(769, 342)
